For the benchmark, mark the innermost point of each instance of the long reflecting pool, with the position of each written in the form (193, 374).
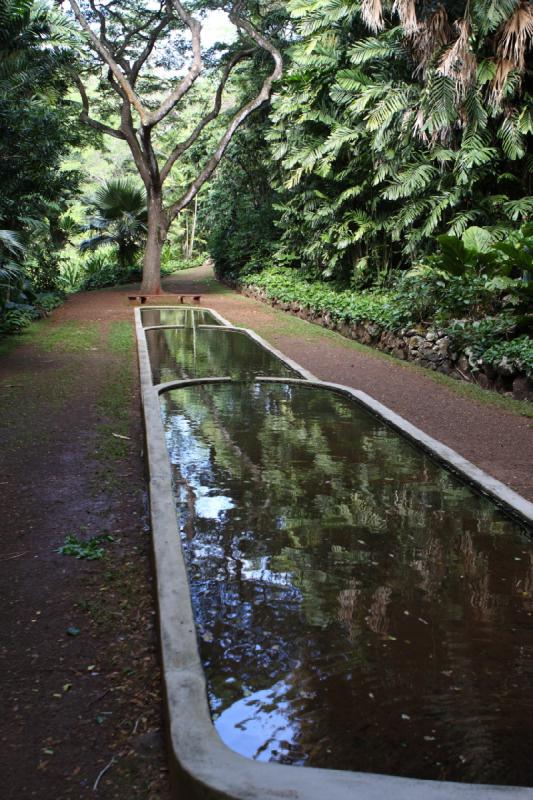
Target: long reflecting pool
(178, 353)
(357, 606)
(177, 316)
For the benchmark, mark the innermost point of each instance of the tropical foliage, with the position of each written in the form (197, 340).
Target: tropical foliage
(37, 129)
(117, 216)
(386, 141)
(399, 150)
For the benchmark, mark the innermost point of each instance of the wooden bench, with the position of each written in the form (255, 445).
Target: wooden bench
(142, 298)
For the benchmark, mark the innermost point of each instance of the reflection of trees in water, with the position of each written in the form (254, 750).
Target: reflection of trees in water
(203, 352)
(476, 571)
(348, 601)
(339, 537)
(377, 619)
(523, 587)
(160, 350)
(177, 316)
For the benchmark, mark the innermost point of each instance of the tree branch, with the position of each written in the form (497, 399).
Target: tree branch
(106, 56)
(239, 118)
(87, 120)
(127, 128)
(213, 114)
(150, 44)
(194, 71)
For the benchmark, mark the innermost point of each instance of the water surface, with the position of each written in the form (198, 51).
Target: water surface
(177, 316)
(178, 353)
(357, 606)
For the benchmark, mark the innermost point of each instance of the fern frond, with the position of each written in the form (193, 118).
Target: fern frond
(410, 181)
(511, 138)
(519, 209)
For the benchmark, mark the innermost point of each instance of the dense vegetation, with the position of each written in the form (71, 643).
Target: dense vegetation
(37, 129)
(398, 169)
(389, 180)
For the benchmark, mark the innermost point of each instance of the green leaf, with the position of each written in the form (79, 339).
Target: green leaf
(454, 255)
(478, 240)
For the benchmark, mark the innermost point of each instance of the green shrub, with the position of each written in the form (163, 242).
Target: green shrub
(42, 267)
(478, 336)
(71, 275)
(100, 269)
(344, 305)
(518, 353)
(172, 262)
(425, 294)
(47, 301)
(14, 320)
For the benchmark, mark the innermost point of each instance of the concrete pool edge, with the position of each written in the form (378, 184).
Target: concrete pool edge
(213, 770)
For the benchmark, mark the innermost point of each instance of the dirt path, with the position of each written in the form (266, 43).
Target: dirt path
(80, 681)
(495, 439)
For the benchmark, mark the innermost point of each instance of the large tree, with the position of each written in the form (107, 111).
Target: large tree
(136, 42)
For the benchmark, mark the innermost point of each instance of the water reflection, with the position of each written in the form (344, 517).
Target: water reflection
(259, 725)
(357, 606)
(177, 316)
(177, 353)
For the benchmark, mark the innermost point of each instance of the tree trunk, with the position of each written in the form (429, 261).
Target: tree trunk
(193, 227)
(157, 234)
(185, 246)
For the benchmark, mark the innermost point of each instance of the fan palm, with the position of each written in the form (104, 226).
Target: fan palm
(118, 216)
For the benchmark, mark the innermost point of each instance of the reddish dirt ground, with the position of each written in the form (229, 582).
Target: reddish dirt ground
(74, 705)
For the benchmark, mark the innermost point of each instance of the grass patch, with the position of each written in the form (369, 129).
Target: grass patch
(120, 337)
(115, 398)
(27, 336)
(114, 403)
(69, 337)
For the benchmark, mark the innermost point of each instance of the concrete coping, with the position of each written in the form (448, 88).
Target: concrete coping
(197, 754)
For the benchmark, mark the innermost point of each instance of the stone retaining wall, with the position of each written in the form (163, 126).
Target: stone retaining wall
(424, 346)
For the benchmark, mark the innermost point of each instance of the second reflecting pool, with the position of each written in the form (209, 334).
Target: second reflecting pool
(177, 316)
(178, 353)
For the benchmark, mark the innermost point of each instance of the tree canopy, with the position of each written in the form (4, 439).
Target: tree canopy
(152, 58)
